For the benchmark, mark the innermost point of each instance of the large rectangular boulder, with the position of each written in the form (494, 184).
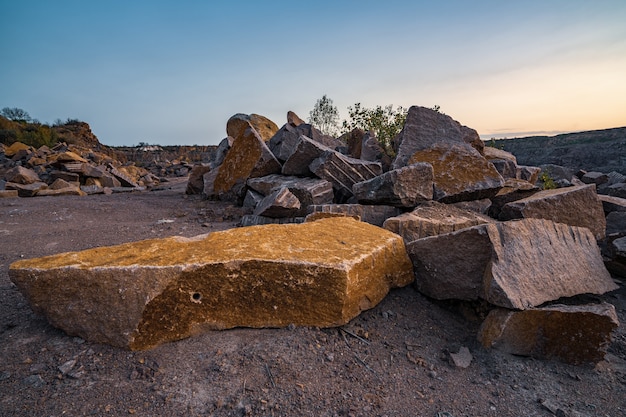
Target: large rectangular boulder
(138, 295)
(576, 206)
(517, 264)
(574, 334)
(402, 187)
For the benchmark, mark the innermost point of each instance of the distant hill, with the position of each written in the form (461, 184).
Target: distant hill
(596, 150)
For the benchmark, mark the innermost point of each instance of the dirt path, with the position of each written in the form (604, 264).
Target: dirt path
(393, 360)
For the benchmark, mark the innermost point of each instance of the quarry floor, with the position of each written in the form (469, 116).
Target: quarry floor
(393, 360)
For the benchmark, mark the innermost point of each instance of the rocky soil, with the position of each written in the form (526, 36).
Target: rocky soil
(407, 356)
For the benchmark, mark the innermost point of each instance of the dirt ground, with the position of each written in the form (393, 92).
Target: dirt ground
(393, 360)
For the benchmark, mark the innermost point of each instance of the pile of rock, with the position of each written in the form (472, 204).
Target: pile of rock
(470, 221)
(66, 170)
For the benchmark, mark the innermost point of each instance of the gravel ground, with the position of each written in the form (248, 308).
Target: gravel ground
(393, 360)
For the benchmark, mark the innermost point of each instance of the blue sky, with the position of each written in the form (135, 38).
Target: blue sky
(173, 72)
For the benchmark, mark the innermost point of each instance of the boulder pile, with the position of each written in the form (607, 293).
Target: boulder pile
(66, 170)
(475, 225)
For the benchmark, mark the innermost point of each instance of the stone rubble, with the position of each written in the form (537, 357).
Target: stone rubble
(535, 247)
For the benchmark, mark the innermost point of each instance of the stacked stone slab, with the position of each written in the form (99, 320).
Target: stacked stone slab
(516, 265)
(141, 294)
(67, 170)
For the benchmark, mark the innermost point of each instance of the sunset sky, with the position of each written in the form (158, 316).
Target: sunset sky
(173, 72)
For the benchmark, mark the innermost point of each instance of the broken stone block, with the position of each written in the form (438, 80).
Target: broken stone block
(279, 203)
(26, 190)
(597, 178)
(8, 193)
(249, 157)
(616, 223)
(195, 183)
(372, 150)
(461, 173)
(309, 191)
(303, 152)
(478, 206)
(574, 334)
(284, 143)
(108, 180)
(371, 214)
(72, 190)
(432, 219)
(513, 190)
(576, 206)
(518, 264)
(15, 148)
(124, 179)
(424, 127)
(492, 153)
(343, 172)
(252, 199)
(403, 187)
(293, 119)
(506, 168)
(528, 173)
(237, 125)
(70, 177)
(21, 175)
(138, 295)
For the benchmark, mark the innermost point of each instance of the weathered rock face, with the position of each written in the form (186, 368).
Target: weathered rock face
(574, 334)
(279, 203)
(285, 141)
(308, 191)
(576, 206)
(433, 219)
(195, 184)
(21, 175)
(403, 187)
(343, 172)
(304, 151)
(460, 172)
(517, 264)
(424, 127)
(141, 294)
(249, 157)
(237, 124)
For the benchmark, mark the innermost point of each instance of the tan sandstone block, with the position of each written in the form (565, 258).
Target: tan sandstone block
(141, 294)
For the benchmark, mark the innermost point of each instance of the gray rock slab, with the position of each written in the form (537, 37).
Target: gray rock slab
(402, 187)
(343, 172)
(576, 206)
(518, 264)
(279, 203)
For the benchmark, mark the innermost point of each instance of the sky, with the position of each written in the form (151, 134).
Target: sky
(173, 72)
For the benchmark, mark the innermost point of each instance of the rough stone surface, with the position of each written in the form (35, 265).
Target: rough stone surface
(283, 144)
(309, 191)
(343, 172)
(433, 219)
(513, 190)
(8, 193)
(304, 151)
(576, 206)
(423, 128)
(505, 167)
(21, 175)
(372, 150)
(460, 172)
(293, 119)
(253, 220)
(141, 294)
(518, 264)
(528, 173)
(237, 125)
(195, 183)
(249, 157)
(279, 203)
(492, 153)
(574, 334)
(403, 187)
(371, 214)
(26, 190)
(594, 177)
